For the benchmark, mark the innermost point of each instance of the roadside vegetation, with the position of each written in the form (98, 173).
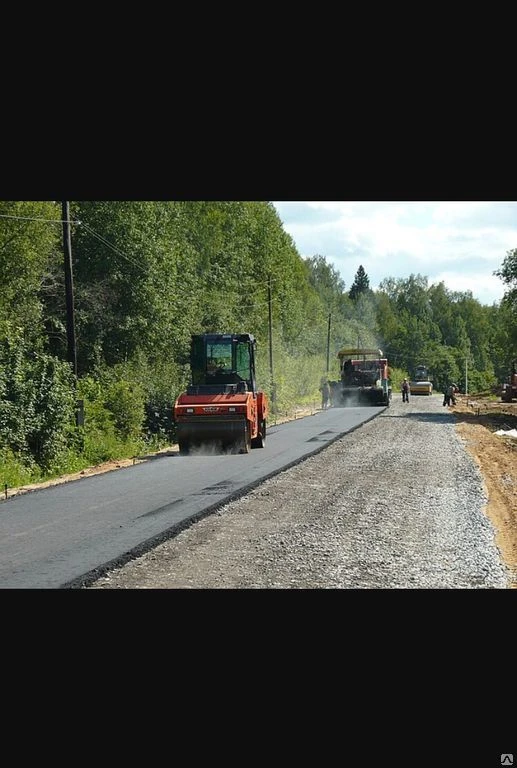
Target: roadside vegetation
(147, 275)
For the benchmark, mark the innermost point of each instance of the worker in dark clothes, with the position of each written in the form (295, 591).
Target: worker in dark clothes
(325, 394)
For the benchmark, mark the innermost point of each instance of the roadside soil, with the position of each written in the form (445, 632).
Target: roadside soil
(478, 418)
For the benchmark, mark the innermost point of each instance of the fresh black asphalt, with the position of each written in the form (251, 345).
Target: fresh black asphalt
(64, 536)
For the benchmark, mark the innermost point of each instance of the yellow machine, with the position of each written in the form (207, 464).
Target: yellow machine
(421, 384)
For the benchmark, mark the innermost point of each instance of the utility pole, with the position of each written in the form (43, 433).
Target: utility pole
(273, 394)
(328, 346)
(467, 355)
(69, 288)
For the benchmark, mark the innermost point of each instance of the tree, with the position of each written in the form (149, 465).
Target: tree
(508, 273)
(325, 280)
(29, 246)
(360, 285)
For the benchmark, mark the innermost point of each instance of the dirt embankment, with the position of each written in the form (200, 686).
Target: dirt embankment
(478, 418)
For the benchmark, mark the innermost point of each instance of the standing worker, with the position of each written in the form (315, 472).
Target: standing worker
(449, 394)
(405, 391)
(325, 394)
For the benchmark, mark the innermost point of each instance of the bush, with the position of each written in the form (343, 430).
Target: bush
(126, 402)
(54, 413)
(113, 418)
(37, 401)
(14, 472)
(100, 447)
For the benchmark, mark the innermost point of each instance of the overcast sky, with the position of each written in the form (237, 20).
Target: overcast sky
(459, 243)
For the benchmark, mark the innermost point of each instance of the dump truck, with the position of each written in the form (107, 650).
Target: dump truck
(364, 378)
(421, 384)
(509, 388)
(222, 410)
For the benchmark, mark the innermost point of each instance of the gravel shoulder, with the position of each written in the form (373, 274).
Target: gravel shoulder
(403, 502)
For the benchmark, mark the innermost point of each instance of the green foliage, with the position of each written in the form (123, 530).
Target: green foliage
(502, 326)
(296, 379)
(113, 417)
(54, 413)
(126, 402)
(325, 281)
(13, 470)
(17, 395)
(106, 446)
(397, 376)
(445, 369)
(36, 403)
(508, 272)
(29, 249)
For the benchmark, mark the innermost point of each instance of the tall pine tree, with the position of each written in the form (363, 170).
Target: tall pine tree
(360, 285)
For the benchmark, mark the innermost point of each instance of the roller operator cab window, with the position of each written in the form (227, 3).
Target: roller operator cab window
(221, 360)
(242, 361)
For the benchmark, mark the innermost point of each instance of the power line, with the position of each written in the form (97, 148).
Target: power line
(120, 253)
(144, 269)
(31, 218)
(114, 248)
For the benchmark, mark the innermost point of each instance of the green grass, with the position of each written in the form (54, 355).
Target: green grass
(14, 473)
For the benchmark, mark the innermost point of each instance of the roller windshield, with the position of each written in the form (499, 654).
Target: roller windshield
(221, 360)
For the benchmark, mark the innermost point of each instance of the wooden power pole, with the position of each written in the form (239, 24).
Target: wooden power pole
(273, 393)
(69, 289)
(328, 347)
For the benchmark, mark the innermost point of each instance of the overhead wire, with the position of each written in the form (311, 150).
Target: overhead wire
(103, 240)
(32, 218)
(123, 255)
(113, 247)
(132, 261)
(99, 237)
(139, 266)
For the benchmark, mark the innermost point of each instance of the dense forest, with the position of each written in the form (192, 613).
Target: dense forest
(147, 275)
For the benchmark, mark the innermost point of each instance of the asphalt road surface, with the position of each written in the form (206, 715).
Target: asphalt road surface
(55, 537)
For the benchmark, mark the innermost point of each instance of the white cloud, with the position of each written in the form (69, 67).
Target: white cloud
(461, 243)
(486, 289)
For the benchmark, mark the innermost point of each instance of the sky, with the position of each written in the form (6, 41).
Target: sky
(458, 243)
